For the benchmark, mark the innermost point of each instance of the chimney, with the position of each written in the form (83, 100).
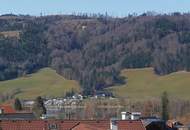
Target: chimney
(1, 111)
(123, 115)
(135, 115)
(130, 116)
(113, 124)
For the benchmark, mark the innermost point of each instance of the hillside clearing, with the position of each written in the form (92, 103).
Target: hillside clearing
(144, 83)
(45, 82)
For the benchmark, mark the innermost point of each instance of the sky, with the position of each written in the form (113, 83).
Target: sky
(112, 7)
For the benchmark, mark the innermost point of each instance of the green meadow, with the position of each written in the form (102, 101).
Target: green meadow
(144, 83)
(45, 82)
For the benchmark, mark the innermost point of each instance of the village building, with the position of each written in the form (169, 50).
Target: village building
(8, 113)
(54, 125)
(6, 109)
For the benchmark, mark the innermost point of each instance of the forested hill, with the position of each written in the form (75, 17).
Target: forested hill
(93, 50)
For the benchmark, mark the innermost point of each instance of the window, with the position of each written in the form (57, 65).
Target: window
(53, 127)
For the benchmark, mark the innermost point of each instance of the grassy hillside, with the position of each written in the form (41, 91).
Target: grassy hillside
(46, 82)
(143, 83)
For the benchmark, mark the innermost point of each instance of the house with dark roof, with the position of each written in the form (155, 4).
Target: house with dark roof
(153, 123)
(17, 116)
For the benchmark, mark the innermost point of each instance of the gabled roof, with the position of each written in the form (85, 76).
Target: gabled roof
(22, 125)
(60, 124)
(67, 124)
(148, 120)
(83, 126)
(130, 125)
(7, 109)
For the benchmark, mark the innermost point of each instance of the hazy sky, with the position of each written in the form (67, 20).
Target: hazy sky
(113, 7)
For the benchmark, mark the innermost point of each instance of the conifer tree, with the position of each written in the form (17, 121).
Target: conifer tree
(165, 106)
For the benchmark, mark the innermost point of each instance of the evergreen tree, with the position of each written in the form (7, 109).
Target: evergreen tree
(17, 105)
(39, 108)
(165, 106)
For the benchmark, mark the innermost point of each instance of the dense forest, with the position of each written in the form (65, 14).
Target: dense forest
(94, 49)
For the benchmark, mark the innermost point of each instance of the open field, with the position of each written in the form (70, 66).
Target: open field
(46, 82)
(143, 84)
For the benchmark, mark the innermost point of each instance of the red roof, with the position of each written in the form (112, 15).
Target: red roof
(45, 124)
(7, 109)
(22, 125)
(130, 125)
(83, 126)
(69, 125)
(105, 124)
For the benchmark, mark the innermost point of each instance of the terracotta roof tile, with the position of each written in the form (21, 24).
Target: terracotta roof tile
(45, 124)
(130, 125)
(7, 109)
(82, 126)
